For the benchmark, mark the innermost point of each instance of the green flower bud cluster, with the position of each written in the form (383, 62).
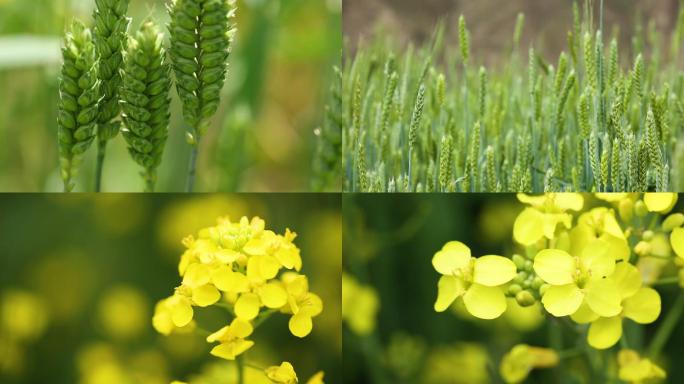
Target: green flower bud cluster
(527, 288)
(79, 91)
(145, 99)
(201, 37)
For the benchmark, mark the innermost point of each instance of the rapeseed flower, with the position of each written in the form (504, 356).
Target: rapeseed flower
(543, 215)
(599, 223)
(574, 280)
(640, 304)
(635, 369)
(517, 364)
(232, 339)
(249, 270)
(282, 374)
(360, 305)
(477, 280)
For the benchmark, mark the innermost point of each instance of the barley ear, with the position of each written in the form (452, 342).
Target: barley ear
(145, 100)
(79, 90)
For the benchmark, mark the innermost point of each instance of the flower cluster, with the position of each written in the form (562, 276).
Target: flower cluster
(250, 271)
(593, 261)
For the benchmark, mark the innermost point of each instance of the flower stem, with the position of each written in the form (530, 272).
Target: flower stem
(240, 369)
(101, 150)
(666, 327)
(190, 184)
(666, 280)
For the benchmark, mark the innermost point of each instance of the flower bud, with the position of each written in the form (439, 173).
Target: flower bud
(514, 289)
(647, 235)
(525, 298)
(673, 221)
(640, 208)
(520, 277)
(626, 209)
(519, 261)
(642, 248)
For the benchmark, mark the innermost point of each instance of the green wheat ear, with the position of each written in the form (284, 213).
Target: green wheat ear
(202, 34)
(79, 91)
(109, 36)
(145, 99)
(201, 38)
(327, 161)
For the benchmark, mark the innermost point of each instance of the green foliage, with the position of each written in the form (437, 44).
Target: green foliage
(79, 92)
(589, 124)
(327, 164)
(201, 38)
(145, 99)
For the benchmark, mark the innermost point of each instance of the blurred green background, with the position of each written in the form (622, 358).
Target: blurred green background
(79, 277)
(389, 242)
(262, 138)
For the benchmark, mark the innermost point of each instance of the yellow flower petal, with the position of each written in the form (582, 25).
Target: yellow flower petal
(677, 241)
(618, 247)
(196, 275)
(597, 259)
(262, 268)
(627, 279)
(231, 350)
(643, 307)
(283, 374)
(300, 325)
(317, 378)
(485, 302)
(453, 256)
(247, 306)
(605, 332)
(555, 266)
(229, 281)
(273, 295)
(533, 200)
(603, 297)
(493, 270)
(528, 227)
(584, 314)
(205, 295)
(181, 311)
(660, 202)
(569, 201)
(448, 289)
(562, 300)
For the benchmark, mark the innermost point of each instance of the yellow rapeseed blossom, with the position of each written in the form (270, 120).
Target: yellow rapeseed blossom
(301, 304)
(660, 202)
(248, 268)
(574, 280)
(232, 338)
(522, 359)
(360, 305)
(543, 215)
(635, 369)
(477, 280)
(640, 304)
(599, 223)
(282, 374)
